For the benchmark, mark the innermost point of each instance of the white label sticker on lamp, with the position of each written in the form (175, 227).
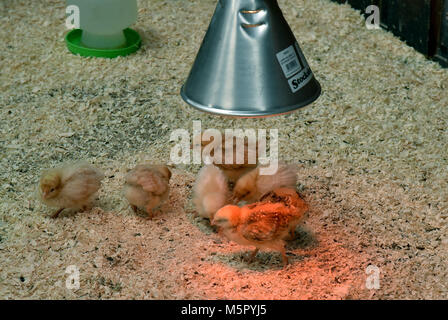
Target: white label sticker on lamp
(289, 61)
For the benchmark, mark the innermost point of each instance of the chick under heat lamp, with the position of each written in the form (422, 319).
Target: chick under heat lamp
(273, 210)
(236, 168)
(265, 224)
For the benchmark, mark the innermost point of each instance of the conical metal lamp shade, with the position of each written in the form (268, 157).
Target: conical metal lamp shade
(250, 64)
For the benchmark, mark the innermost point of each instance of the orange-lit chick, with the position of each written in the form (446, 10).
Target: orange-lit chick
(263, 225)
(234, 170)
(211, 191)
(147, 187)
(69, 186)
(292, 200)
(253, 185)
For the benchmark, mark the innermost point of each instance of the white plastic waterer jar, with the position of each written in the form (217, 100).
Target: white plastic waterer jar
(102, 21)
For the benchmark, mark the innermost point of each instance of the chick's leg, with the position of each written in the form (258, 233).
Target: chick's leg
(56, 214)
(284, 257)
(150, 213)
(291, 235)
(153, 203)
(85, 208)
(252, 256)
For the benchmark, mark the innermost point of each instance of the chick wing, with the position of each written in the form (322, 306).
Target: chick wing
(266, 222)
(287, 196)
(80, 182)
(149, 180)
(286, 176)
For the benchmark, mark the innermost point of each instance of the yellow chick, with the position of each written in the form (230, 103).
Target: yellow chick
(147, 187)
(211, 191)
(69, 186)
(263, 225)
(253, 185)
(232, 171)
(292, 200)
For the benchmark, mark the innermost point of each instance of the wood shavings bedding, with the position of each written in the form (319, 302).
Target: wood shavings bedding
(371, 152)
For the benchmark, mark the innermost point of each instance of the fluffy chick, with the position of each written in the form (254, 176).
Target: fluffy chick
(147, 187)
(232, 171)
(211, 191)
(253, 185)
(292, 200)
(69, 186)
(263, 225)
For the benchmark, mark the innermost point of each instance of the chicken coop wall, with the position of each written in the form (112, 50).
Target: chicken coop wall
(423, 24)
(442, 49)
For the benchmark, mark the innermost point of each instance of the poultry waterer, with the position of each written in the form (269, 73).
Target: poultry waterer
(104, 28)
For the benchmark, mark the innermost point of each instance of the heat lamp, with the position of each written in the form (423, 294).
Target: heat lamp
(250, 64)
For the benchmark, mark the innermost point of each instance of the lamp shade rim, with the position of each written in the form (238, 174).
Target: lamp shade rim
(241, 112)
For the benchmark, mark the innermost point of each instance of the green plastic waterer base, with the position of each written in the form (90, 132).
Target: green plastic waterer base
(73, 40)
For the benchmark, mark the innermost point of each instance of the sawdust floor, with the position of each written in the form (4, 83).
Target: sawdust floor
(371, 153)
